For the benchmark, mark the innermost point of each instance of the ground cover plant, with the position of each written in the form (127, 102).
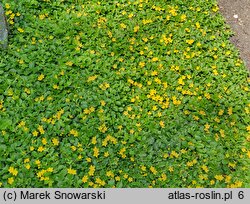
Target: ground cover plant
(129, 93)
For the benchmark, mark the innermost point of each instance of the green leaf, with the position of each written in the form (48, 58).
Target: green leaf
(5, 123)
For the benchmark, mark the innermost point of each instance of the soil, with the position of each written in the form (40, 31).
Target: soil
(237, 14)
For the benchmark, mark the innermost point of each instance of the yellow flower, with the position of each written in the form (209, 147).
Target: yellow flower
(190, 42)
(85, 179)
(10, 180)
(130, 15)
(41, 173)
(21, 124)
(20, 30)
(40, 77)
(222, 132)
(212, 182)
(92, 78)
(73, 132)
(12, 16)
(106, 154)
(69, 63)
(73, 148)
(7, 6)
(122, 152)
(41, 130)
(55, 141)
(37, 162)
(230, 111)
(44, 141)
(104, 86)
(190, 163)
(207, 126)
(155, 59)
(230, 164)
(35, 133)
(103, 128)
(55, 86)
(103, 103)
(13, 171)
(183, 17)
(215, 8)
(218, 177)
(40, 149)
(142, 64)
(8, 12)
(91, 170)
(50, 169)
(162, 124)
(204, 168)
(136, 29)
(207, 95)
(153, 170)
(174, 154)
(96, 152)
(91, 109)
(238, 184)
(71, 171)
(120, 127)
(202, 112)
(129, 108)
(117, 178)
(88, 159)
(171, 169)
(86, 111)
(130, 179)
(143, 168)
(94, 141)
(27, 166)
(122, 25)
(228, 179)
(163, 177)
(110, 174)
(42, 16)
(221, 112)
